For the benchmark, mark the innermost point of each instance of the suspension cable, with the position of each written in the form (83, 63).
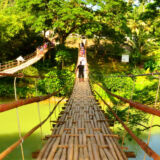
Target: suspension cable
(55, 114)
(136, 105)
(49, 107)
(142, 144)
(131, 96)
(18, 120)
(9, 106)
(39, 114)
(131, 75)
(116, 113)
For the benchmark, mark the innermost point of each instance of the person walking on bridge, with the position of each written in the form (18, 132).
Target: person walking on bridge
(80, 67)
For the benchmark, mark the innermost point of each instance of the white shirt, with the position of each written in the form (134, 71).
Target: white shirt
(83, 60)
(84, 41)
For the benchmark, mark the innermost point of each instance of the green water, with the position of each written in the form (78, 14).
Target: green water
(154, 145)
(29, 118)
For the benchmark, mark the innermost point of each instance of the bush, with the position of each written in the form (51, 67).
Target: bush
(63, 56)
(151, 65)
(55, 80)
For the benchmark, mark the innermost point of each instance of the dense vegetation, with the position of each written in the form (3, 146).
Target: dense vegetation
(124, 26)
(116, 27)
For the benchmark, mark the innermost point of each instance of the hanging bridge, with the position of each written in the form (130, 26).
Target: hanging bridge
(82, 131)
(14, 66)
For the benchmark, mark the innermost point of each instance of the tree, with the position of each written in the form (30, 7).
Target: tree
(16, 36)
(69, 17)
(141, 39)
(64, 17)
(109, 24)
(62, 56)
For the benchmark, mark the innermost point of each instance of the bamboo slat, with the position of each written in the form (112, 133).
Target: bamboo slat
(83, 132)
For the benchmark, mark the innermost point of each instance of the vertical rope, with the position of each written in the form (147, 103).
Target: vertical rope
(131, 96)
(59, 109)
(49, 107)
(151, 124)
(116, 112)
(38, 110)
(55, 109)
(18, 120)
(105, 100)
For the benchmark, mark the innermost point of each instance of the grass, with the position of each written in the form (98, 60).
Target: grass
(29, 118)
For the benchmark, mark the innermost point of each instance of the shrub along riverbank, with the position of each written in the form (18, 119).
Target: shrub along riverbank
(51, 68)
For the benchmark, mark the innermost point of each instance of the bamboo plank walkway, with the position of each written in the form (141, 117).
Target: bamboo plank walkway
(82, 132)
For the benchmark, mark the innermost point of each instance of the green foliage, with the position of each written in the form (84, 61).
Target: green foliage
(55, 80)
(11, 24)
(63, 56)
(32, 71)
(120, 85)
(143, 30)
(134, 119)
(151, 65)
(16, 36)
(140, 89)
(7, 89)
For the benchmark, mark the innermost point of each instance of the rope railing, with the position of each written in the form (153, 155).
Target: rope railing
(14, 63)
(136, 105)
(142, 144)
(19, 103)
(19, 75)
(15, 104)
(13, 146)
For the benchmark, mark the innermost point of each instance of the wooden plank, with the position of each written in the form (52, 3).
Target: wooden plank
(130, 154)
(75, 146)
(83, 134)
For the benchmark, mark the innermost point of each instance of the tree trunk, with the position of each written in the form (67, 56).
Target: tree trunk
(44, 33)
(62, 39)
(62, 64)
(97, 46)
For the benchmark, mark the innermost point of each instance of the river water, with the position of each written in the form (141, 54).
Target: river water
(154, 144)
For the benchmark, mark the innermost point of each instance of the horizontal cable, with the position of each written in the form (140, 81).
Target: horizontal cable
(136, 105)
(13, 146)
(19, 75)
(131, 75)
(15, 104)
(14, 63)
(142, 144)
